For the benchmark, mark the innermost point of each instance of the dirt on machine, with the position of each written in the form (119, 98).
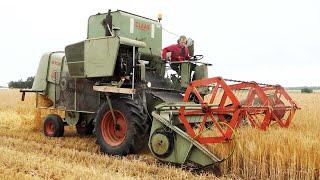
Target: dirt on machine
(115, 85)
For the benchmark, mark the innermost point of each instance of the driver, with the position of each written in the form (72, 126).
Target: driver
(179, 52)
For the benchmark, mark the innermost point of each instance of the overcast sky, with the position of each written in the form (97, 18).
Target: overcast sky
(275, 42)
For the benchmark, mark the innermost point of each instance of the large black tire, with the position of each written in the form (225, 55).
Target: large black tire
(53, 126)
(129, 134)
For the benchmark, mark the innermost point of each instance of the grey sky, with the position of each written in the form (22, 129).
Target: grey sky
(274, 42)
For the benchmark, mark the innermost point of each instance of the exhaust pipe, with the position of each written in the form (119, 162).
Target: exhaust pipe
(107, 23)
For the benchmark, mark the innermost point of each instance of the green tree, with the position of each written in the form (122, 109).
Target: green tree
(306, 90)
(22, 84)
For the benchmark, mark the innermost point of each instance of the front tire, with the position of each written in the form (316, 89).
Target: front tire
(127, 134)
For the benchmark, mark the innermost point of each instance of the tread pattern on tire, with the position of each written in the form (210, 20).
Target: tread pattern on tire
(137, 122)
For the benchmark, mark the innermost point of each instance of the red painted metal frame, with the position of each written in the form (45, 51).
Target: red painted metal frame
(271, 109)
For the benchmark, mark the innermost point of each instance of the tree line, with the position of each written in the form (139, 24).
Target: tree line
(22, 84)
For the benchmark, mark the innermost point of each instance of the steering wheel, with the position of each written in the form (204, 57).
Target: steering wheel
(196, 57)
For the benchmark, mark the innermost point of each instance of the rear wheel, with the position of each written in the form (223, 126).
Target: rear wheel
(53, 126)
(127, 132)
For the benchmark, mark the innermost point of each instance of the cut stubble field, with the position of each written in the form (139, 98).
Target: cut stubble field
(277, 153)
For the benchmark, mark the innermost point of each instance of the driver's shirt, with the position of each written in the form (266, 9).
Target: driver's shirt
(178, 53)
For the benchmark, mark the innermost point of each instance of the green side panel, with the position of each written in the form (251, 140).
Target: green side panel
(181, 146)
(40, 79)
(95, 27)
(181, 150)
(185, 74)
(132, 27)
(53, 91)
(201, 72)
(199, 157)
(50, 65)
(76, 69)
(65, 88)
(75, 59)
(55, 66)
(100, 56)
(184, 150)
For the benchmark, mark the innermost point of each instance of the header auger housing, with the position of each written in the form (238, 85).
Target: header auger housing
(114, 84)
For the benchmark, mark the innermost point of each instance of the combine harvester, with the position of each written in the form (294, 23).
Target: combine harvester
(114, 84)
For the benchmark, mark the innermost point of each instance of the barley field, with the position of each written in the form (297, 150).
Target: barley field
(277, 153)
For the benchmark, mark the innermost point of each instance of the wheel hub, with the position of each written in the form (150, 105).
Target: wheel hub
(114, 131)
(161, 143)
(50, 128)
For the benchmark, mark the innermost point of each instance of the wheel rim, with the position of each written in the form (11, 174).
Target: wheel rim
(113, 134)
(50, 128)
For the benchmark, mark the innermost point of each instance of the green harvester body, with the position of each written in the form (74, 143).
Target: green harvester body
(121, 59)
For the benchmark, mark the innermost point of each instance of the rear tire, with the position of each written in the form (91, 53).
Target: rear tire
(129, 133)
(53, 126)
